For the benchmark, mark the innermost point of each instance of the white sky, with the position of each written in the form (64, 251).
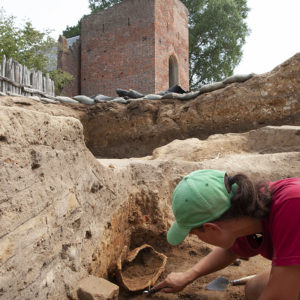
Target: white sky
(274, 24)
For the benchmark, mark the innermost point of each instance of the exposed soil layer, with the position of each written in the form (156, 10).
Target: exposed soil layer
(115, 130)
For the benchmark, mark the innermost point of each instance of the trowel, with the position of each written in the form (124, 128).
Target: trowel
(218, 284)
(221, 283)
(149, 291)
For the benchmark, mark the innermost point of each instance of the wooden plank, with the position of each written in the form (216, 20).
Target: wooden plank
(44, 85)
(41, 81)
(33, 79)
(8, 74)
(21, 77)
(13, 89)
(16, 78)
(27, 79)
(47, 87)
(1, 81)
(52, 88)
(34, 91)
(10, 81)
(3, 73)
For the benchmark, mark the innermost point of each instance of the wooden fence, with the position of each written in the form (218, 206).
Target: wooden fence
(16, 79)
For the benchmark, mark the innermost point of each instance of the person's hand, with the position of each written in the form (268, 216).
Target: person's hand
(174, 282)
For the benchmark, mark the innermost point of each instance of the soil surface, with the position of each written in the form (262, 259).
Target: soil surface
(182, 257)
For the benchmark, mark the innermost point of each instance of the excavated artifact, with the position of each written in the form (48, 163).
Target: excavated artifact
(140, 268)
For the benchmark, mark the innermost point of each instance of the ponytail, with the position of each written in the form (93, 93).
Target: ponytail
(250, 199)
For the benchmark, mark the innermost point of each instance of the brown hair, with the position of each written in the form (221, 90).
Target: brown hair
(250, 199)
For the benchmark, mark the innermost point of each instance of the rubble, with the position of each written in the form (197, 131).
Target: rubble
(95, 288)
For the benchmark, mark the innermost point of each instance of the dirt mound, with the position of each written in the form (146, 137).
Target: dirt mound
(269, 139)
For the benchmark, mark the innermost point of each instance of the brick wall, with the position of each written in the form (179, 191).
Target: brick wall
(171, 39)
(129, 46)
(118, 49)
(68, 59)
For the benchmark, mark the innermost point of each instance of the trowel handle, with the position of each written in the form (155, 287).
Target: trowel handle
(152, 291)
(242, 281)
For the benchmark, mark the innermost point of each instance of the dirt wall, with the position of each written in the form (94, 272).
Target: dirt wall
(117, 131)
(59, 207)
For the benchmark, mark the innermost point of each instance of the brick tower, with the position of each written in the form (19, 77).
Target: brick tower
(136, 44)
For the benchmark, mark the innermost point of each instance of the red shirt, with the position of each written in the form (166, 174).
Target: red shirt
(281, 229)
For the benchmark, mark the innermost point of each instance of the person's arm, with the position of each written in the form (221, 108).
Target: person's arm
(284, 283)
(218, 259)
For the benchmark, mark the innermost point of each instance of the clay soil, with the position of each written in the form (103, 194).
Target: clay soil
(182, 257)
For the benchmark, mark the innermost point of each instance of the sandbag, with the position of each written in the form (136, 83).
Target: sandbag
(66, 99)
(171, 96)
(189, 96)
(119, 99)
(176, 89)
(238, 78)
(84, 99)
(48, 100)
(134, 94)
(152, 97)
(122, 92)
(101, 98)
(140, 268)
(211, 87)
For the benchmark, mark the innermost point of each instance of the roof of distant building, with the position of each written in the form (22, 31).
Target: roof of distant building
(72, 40)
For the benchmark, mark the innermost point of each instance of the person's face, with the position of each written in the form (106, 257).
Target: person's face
(214, 234)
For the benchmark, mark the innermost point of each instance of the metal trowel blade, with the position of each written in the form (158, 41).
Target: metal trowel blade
(218, 284)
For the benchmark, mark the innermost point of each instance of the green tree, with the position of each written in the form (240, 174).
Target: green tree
(217, 32)
(61, 79)
(72, 31)
(29, 47)
(94, 5)
(25, 45)
(97, 5)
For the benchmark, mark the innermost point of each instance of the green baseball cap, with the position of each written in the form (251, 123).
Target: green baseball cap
(200, 197)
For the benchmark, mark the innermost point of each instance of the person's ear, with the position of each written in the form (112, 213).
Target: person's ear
(211, 227)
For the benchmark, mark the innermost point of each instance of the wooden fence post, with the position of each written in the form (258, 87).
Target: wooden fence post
(16, 79)
(3, 66)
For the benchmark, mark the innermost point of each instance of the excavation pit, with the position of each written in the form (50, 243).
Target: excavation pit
(140, 268)
(137, 272)
(141, 221)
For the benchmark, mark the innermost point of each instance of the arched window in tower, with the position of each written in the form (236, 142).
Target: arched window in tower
(173, 71)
